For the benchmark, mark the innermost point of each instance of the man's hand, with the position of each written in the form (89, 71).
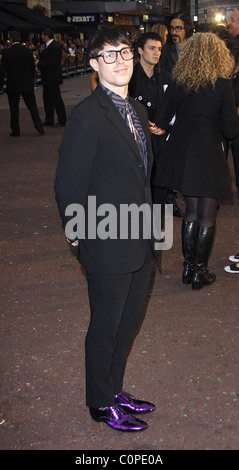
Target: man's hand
(153, 129)
(75, 243)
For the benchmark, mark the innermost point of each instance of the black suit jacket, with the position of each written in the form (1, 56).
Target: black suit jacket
(18, 64)
(50, 65)
(98, 157)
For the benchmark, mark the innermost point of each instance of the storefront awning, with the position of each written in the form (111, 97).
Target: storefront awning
(20, 16)
(9, 22)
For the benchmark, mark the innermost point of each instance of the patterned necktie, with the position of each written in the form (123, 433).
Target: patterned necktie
(135, 133)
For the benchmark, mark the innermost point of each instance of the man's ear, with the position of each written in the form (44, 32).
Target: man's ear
(140, 51)
(94, 64)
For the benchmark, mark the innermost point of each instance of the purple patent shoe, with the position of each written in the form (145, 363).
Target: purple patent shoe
(130, 404)
(117, 419)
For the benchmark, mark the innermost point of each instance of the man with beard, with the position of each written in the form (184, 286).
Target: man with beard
(180, 29)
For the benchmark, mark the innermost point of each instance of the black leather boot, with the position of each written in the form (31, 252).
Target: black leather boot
(189, 239)
(201, 276)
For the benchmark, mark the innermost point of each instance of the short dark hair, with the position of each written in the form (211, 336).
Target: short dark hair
(113, 37)
(15, 36)
(188, 25)
(145, 37)
(48, 32)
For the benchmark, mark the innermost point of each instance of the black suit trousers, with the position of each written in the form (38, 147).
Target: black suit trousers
(53, 101)
(117, 306)
(30, 102)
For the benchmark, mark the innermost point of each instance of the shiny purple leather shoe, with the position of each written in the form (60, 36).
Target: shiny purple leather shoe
(117, 419)
(130, 404)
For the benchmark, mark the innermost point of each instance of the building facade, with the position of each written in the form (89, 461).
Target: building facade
(217, 11)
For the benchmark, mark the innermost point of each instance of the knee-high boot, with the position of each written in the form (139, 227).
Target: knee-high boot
(201, 276)
(189, 239)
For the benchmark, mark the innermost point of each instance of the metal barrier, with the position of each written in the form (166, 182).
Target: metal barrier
(72, 65)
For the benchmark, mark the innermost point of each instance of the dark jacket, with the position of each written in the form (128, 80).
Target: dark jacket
(194, 160)
(99, 157)
(149, 91)
(168, 57)
(50, 65)
(18, 64)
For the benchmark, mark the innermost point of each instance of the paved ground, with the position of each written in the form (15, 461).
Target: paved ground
(185, 358)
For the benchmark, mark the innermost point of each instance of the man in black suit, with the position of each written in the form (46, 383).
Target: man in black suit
(51, 76)
(180, 29)
(104, 165)
(18, 64)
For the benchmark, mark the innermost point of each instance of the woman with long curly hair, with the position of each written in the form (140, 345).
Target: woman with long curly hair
(194, 160)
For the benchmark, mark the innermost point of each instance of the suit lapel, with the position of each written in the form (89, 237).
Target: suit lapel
(115, 118)
(118, 121)
(141, 113)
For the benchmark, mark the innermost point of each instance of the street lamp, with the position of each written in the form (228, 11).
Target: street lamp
(219, 17)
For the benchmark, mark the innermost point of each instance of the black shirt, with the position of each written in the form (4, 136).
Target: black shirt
(149, 91)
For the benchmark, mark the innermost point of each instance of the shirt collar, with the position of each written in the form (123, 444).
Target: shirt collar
(117, 99)
(49, 42)
(141, 70)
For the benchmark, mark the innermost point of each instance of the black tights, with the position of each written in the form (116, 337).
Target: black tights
(201, 209)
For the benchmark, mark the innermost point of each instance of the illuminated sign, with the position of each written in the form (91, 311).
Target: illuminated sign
(89, 18)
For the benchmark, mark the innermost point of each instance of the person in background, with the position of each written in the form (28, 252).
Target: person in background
(51, 76)
(180, 29)
(233, 46)
(19, 67)
(162, 30)
(148, 85)
(106, 153)
(94, 80)
(194, 161)
(234, 24)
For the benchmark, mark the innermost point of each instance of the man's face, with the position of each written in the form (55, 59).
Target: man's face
(117, 75)
(151, 52)
(177, 31)
(234, 23)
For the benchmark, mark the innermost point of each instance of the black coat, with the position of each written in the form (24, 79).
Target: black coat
(98, 156)
(18, 64)
(194, 160)
(50, 65)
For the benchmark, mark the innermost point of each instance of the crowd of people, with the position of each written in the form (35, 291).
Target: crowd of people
(69, 46)
(121, 152)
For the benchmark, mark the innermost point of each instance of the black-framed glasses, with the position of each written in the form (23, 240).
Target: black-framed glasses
(176, 28)
(110, 57)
